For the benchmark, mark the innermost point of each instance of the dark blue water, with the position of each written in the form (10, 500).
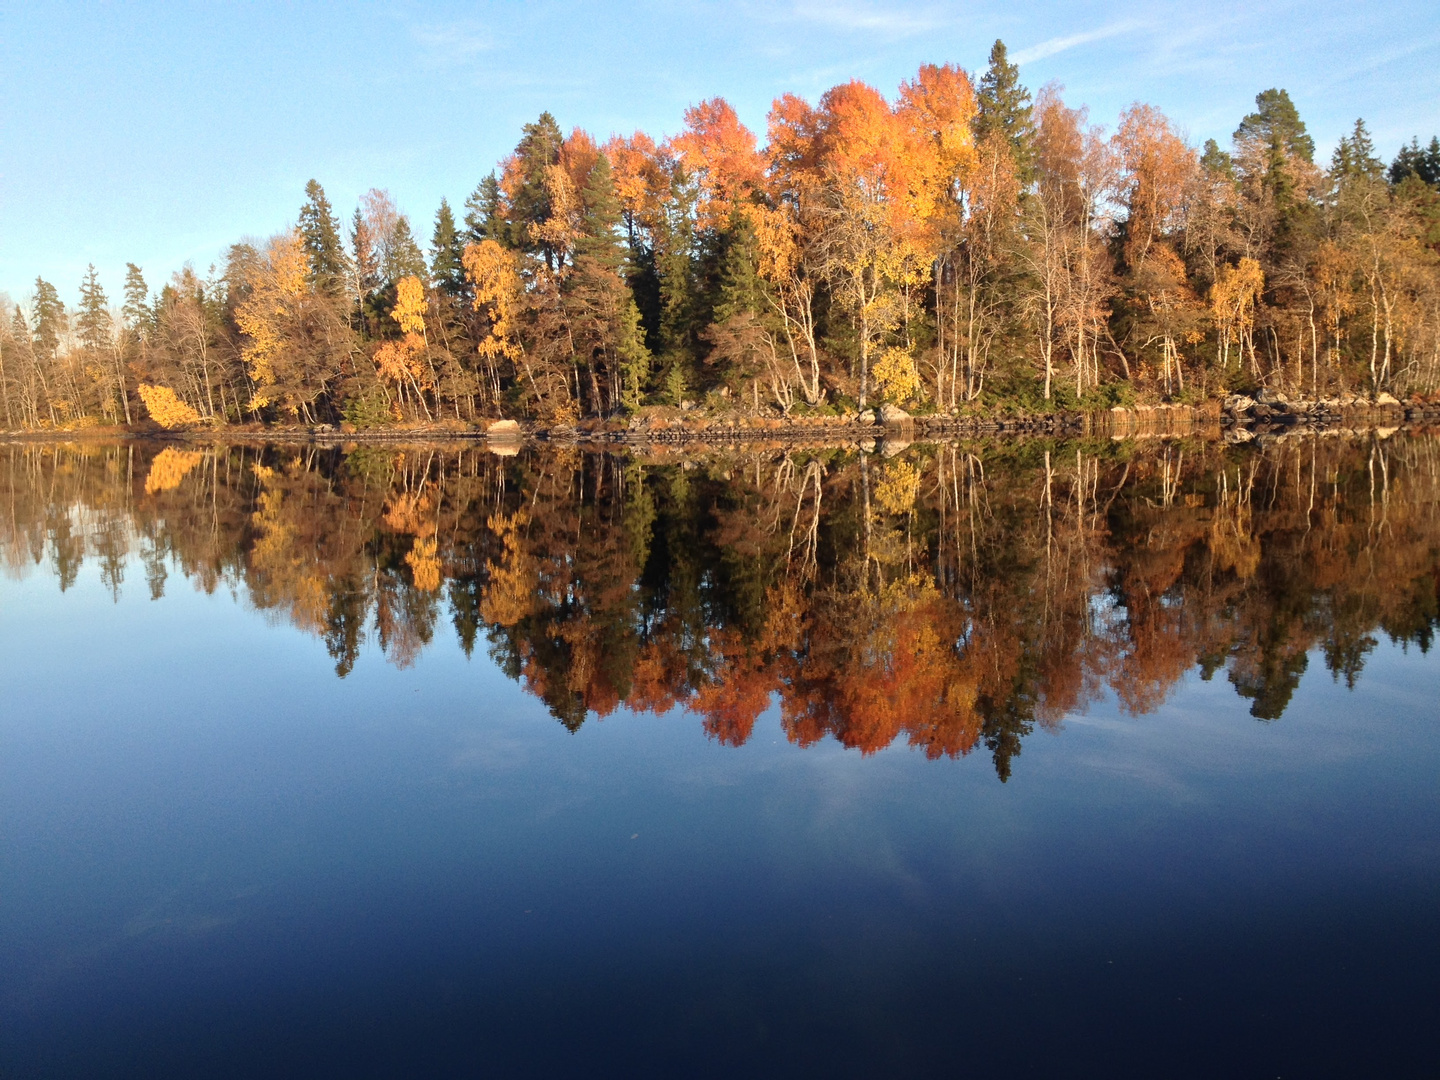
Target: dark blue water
(218, 859)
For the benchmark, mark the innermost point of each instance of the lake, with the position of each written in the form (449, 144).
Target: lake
(1036, 758)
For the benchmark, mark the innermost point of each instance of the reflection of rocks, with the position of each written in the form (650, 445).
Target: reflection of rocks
(893, 445)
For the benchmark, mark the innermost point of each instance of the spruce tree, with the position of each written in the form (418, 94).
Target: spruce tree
(1003, 106)
(1354, 157)
(739, 288)
(601, 238)
(139, 319)
(447, 249)
(49, 320)
(320, 232)
(1414, 161)
(92, 317)
(482, 212)
(538, 149)
(600, 257)
(366, 259)
(404, 257)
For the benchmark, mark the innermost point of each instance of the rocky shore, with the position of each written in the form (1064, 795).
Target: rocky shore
(1236, 419)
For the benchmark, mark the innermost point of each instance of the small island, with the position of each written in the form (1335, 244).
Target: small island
(960, 258)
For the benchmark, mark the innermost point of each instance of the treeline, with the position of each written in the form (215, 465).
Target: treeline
(952, 598)
(960, 247)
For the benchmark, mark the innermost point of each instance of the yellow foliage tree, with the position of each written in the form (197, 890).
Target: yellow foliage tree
(410, 305)
(277, 284)
(896, 376)
(1232, 301)
(166, 408)
(491, 269)
(499, 294)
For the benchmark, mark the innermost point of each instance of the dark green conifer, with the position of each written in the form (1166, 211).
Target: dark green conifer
(320, 232)
(1003, 106)
(1354, 157)
(403, 258)
(447, 250)
(482, 212)
(139, 318)
(92, 316)
(1216, 161)
(49, 320)
(1276, 124)
(1415, 161)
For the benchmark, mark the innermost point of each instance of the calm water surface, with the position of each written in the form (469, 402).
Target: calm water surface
(1048, 759)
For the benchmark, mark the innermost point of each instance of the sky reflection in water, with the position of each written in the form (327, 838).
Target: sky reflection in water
(218, 858)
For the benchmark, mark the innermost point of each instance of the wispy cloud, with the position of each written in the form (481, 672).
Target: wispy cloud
(453, 44)
(1061, 44)
(863, 18)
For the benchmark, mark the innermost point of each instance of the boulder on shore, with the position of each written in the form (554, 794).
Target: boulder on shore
(504, 429)
(1385, 399)
(1239, 403)
(892, 414)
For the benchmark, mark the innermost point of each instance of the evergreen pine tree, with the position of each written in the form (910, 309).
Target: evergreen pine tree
(1277, 125)
(139, 319)
(538, 149)
(482, 212)
(600, 257)
(1354, 157)
(601, 240)
(1216, 161)
(739, 288)
(1276, 130)
(320, 232)
(92, 317)
(49, 320)
(1003, 106)
(404, 257)
(1414, 161)
(447, 248)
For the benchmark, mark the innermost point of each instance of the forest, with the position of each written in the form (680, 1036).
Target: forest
(959, 248)
(953, 598)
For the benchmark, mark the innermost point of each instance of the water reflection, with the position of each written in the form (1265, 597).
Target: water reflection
(950, 596)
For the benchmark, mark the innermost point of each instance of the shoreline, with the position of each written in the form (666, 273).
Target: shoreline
(1235, 420)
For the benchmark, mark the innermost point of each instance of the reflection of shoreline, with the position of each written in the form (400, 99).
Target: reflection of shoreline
(948, 596)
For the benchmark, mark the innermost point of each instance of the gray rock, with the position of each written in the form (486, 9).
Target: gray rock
(892, 414)
(867, 417)
(1239, 403)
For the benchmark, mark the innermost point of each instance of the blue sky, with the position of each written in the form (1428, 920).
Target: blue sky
(160, 133)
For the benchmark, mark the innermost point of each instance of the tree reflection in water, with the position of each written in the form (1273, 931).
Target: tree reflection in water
(952, 596)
